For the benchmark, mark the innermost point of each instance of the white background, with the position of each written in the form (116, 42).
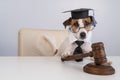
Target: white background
(47, 14)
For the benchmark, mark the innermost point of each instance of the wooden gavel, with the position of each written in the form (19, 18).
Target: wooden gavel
(98, 53)
(98, 67)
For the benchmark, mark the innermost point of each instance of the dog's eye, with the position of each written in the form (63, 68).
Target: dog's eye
(87, 23)
(76, 24)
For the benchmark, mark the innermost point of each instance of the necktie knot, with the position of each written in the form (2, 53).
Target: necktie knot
(79, 43)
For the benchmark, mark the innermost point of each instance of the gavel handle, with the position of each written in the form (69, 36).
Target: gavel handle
(76, 56)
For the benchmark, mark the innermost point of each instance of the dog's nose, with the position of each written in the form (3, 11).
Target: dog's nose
(82, 35)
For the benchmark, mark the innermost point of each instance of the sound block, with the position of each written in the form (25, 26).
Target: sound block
(92, 68)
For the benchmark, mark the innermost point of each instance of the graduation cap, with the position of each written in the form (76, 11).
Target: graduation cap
(82, 13)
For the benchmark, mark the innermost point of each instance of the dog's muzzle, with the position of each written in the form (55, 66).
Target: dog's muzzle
(82, 35)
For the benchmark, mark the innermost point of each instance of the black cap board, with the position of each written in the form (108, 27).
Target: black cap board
(81, 13)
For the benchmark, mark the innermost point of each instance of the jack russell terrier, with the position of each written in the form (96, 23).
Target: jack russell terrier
(80, 27)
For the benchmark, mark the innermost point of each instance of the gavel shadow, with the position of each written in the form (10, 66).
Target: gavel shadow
(76, 66)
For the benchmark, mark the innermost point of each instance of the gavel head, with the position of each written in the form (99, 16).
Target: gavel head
(98, 53)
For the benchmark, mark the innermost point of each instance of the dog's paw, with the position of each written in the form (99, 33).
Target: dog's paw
(92, 58)
(108, 63)
(64, 55)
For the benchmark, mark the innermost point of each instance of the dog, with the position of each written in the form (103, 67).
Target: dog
(78, 30)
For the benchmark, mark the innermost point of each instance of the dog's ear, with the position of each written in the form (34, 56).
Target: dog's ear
(67, 22)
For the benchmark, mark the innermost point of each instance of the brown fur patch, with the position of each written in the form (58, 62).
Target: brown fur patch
(67, 22)
(74, 28)
(70, 22)
(86, 20)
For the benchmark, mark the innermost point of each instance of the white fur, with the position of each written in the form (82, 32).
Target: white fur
(81, 23)
(77, 35)
(86, 47)
(69, 45)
